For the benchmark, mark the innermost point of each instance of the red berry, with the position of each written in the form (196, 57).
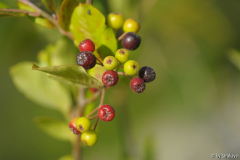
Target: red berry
(72, 126)
(137, 85)
(87, 45)
(147, 74)
(110, 78)
(131, 41)
(106, 113)
(86, 59)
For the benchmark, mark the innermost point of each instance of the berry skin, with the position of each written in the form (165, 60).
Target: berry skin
(130, 25)
(131, 67)
(106, 113)
(147, 74)
(110, 62)
(87, 45)
(131, 41)
(122, 55)
(89, 137)
(72, 126)
(110, 78)
(115, 20)
(137, 85)
(83, 124)
(86, 59)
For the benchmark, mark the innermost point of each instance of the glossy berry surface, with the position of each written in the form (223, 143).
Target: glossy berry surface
(83, 124)
(131, 67)
(86, 59)
(137, 85)
(90, 137)
(87, 45)
(122, 55)
(147, 74)
(115, 20)
(110, 62)
(131, 41)
(130, 25)
(72, 126)
(110, 78)
(106, 113)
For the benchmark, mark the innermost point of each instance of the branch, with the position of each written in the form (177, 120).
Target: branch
(89, 2)
(32, 14)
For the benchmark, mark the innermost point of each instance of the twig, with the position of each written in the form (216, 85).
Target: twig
(120, 37)
(121, 73)
(120, 66)
(93, 98)
(99, 62)
(33, 14)
(96, 124)
(93, 117)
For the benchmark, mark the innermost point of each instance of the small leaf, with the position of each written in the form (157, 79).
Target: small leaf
(2, 5)
(70, 73)
(66, 157)
(39, 88)
(55, 128)
(50, 4)
(65, 13)
(88, 22)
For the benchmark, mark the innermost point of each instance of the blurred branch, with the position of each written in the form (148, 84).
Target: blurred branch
(32, 14)
(89, 2)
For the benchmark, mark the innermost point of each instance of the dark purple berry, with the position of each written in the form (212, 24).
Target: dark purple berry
(137, 85)
(131, 41)
(86, 59)
(110, 78)
(147, 74)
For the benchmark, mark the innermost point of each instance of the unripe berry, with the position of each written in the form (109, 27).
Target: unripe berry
(115, 20)
(110, 78)
(83, 124)
(137, 85)
(147, 74)
(87, 45)
(72, 126)
(90, 137)
(130, 25)
(131, 67)
(110, 62)
(122, 55)
(86, 59)
(131, 41)
(106, 113)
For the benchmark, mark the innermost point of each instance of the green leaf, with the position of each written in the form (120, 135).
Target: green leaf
(39, 88)
(234, 57)
(66, 157)
(65, 13)
(73, 74)
(50, 4)
(55, 128)
(88, 22)
(12, 12)
(2, 5)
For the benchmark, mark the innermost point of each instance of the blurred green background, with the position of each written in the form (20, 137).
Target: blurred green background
(189, 112)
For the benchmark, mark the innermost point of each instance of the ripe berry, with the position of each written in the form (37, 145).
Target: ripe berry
(115, 20)
(87, 45)
(137, 85)
(110, 62)
(86, 59)
(110, 78)
(147, 74)
(131, 67)
(130, 25)
(83, 124)
(131, 41)
(122, 55)
(89, 137)
(72, 126)
(106, 113)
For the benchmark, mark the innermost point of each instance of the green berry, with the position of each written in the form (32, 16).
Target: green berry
(131, 67)
(130, 25)
(115, 20)
(122, 55)
(89, 137)
(110, 62)
(83, 124)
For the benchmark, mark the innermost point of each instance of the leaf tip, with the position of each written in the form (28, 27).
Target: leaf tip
(34, 66)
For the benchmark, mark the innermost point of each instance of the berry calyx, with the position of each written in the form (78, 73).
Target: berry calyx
(89, 137)
(83, 124)
(86, 59)
(87, 45)
(106, 113)
(137, 85)
(131, 41)
(110, 62)
(131, 67)
(115, 20)
(147, 74)
(130, 25)
(72, 126)
(122, 55)
(110, 78)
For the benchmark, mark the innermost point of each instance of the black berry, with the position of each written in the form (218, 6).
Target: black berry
(147, 74)
(131, 41)
(110, 78)
(137, 85)
(86, 59)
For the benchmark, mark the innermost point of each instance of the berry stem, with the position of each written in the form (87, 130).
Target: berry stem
(120, 66)
(93, 98)
(96, 124)
(93, 117)
(120, 37)
(99, 62)
(121, 73)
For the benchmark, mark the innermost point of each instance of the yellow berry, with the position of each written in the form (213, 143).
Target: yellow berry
(130, 25)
